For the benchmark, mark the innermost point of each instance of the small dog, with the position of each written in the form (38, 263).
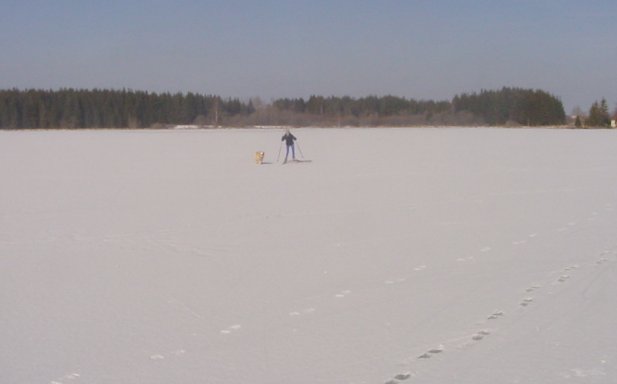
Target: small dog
(259, 157)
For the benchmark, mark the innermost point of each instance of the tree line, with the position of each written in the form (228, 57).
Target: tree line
(72, 108)
(513, 106)
(598, 116)
(78, 108)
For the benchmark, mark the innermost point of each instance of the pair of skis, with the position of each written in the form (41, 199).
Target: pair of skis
(294, 160)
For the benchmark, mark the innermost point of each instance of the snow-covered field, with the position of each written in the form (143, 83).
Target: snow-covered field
(397, 255)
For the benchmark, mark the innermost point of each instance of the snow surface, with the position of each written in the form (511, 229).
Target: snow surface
(397, 255)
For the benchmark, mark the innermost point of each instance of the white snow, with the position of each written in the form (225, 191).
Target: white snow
(397, 255)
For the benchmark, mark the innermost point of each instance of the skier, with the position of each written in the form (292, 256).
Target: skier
(289, 139)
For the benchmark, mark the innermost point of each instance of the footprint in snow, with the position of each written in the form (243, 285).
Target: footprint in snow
(431, 352)
(342, 294)
(398, 378)
(305, 311)
(465, 259)
(526, 301)
(496, 315)
(480, 335)
(177, 353)
(403, 376)
(563, 278)
(533, 288)
(65, 378)
(231, 329)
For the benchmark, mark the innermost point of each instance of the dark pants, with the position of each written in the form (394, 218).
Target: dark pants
(293, 152)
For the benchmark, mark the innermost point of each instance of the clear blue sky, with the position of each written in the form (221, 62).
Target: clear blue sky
(423, 49)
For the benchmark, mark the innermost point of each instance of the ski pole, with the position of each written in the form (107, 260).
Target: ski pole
(300, 150)
(279, 155)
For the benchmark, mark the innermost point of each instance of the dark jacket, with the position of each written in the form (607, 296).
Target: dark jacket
(288, 138)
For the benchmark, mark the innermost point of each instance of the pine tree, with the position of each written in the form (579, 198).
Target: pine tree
(598, 115)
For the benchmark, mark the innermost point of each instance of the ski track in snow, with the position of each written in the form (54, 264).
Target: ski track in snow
(68, 378)
(441, 348)
(465, 340)
(342, 294)
(491, 321)
(171, 354)
(416, 359)
(231, 329)
(460, 344)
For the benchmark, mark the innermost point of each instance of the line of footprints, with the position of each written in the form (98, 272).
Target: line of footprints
(296, 313)
(563, 277)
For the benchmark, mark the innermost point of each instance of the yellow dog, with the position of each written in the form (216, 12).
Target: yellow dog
(259, 157)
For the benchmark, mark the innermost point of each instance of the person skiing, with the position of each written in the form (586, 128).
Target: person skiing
(289, 139)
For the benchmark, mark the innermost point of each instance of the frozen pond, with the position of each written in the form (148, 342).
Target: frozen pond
(451, 255)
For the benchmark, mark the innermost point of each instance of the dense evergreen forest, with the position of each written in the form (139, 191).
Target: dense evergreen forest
(512, 105)
(75, 108)
(70, 108)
